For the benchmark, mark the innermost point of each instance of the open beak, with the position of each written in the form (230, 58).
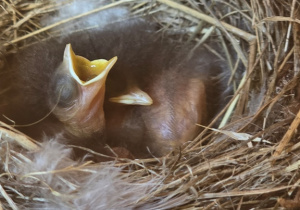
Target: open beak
(86, 72)
(85, 116)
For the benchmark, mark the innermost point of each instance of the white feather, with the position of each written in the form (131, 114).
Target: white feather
(62, 183)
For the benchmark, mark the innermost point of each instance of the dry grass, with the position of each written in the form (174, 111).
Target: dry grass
(215, 171)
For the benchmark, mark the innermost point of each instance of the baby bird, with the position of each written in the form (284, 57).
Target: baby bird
(123, 85)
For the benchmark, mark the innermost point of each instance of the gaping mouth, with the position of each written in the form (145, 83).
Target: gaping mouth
(85, 116)
(86, 72)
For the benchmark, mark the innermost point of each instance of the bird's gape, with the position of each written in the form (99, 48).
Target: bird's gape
(77, 93)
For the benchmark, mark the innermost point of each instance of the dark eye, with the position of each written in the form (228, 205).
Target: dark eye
(63, 90)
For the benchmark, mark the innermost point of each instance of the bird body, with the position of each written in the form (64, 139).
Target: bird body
(180, 89)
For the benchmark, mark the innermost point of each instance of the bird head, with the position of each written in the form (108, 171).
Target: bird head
(77, 93)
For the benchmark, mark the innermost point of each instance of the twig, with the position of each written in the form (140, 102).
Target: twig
(8, 199)
(288, 135)
(66, 21)
(21, 139)
(246, 36)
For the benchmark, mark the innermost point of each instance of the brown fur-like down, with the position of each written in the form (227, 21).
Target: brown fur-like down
(181, 81)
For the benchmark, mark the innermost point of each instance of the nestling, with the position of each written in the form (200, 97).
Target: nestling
(132, 88)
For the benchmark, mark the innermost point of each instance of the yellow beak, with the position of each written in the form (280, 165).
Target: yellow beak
(135, 96)
(86, 72)
(85, 115)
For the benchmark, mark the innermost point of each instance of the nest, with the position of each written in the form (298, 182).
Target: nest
(251, 161)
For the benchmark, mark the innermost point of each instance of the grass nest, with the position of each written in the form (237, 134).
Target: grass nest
(251, 161)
